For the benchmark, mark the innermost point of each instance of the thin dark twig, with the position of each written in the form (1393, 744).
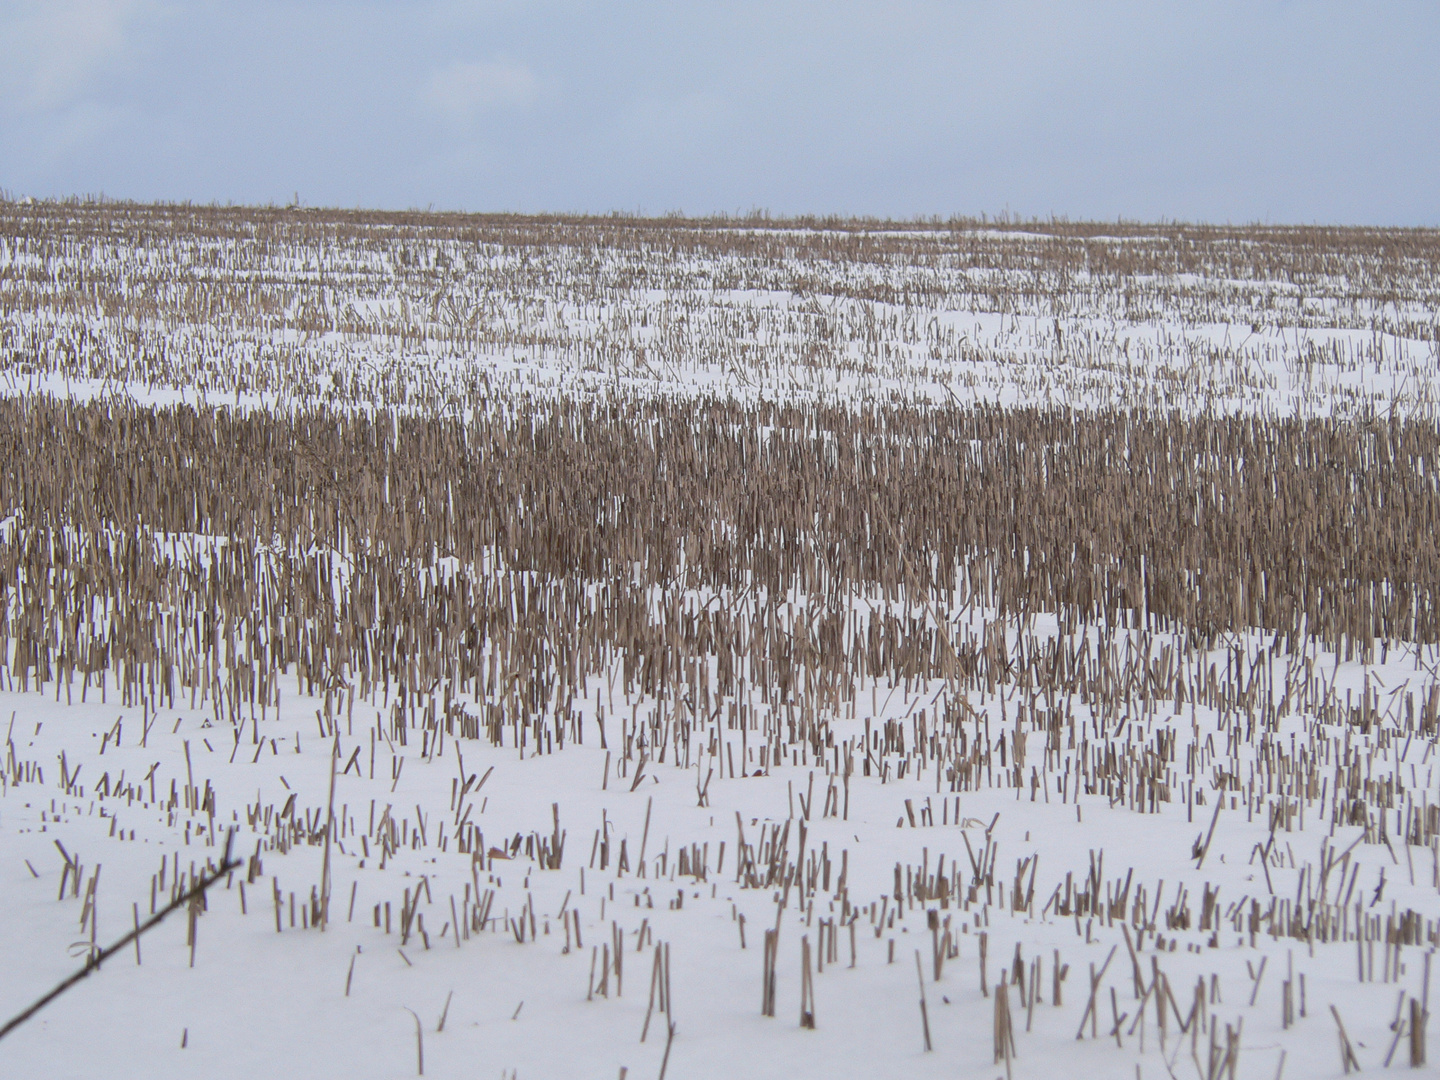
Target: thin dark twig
(93, 964)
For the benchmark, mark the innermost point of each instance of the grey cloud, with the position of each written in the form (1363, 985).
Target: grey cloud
(1222, 111)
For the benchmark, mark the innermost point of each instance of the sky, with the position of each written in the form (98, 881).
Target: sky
(1203, 111)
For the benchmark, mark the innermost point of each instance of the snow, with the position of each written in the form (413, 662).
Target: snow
(261, 1000)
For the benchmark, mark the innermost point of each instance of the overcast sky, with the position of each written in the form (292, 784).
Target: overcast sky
(1247, 111)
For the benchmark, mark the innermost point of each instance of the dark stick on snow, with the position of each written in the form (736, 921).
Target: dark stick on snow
(92, 965)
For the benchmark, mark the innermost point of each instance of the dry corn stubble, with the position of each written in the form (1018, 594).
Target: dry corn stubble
(1123, 600)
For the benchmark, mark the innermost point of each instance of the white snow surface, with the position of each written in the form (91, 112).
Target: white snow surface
(262, 1000)
(446, 319)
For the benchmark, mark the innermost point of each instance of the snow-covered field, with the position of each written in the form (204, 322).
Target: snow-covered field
(1024, 637)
